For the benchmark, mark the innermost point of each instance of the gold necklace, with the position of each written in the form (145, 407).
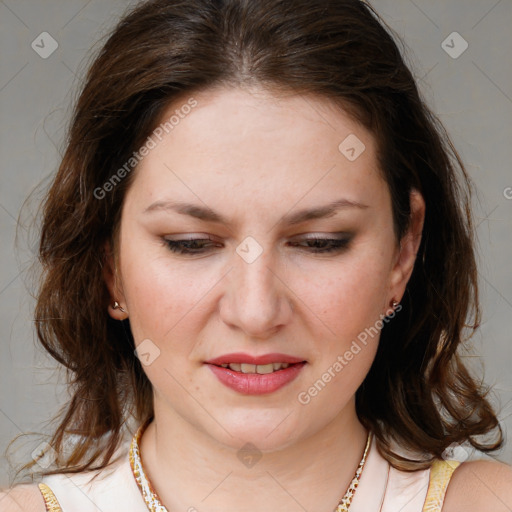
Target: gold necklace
(154, 504)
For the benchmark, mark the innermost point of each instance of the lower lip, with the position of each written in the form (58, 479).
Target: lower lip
(256, 383)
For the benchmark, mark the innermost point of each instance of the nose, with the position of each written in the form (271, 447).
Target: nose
(257, 298)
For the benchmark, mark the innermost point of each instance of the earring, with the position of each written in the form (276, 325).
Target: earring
(393, 303)
(117, 306)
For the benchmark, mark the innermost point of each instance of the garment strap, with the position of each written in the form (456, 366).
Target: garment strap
(50, 500)
(440, 474)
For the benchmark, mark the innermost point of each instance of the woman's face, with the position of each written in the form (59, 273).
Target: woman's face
(259, 285)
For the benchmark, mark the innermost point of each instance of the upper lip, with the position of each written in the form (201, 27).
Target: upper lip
(240, 357)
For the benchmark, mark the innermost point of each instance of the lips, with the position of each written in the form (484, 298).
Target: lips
(241, 358)
(262, 377)
(255, 383)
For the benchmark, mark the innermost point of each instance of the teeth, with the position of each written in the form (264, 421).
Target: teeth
(253, 368)
(265, 368)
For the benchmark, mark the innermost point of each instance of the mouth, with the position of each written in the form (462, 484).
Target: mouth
(256, 375)
(248, 361)
(256, 379)
(261, 369)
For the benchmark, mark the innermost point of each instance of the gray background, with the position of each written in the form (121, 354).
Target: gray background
(472, 94)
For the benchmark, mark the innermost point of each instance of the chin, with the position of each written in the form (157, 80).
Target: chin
(265, 430)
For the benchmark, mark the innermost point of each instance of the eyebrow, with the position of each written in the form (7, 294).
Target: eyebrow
(207, 214)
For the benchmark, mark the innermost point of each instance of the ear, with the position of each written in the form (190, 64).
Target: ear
(409, 245)
(114, 285)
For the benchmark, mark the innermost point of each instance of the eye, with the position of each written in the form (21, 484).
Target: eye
(188, 246)
(315, 245)
(326, 245)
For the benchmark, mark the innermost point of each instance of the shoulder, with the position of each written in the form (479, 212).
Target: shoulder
(480, 485)
(22, 498)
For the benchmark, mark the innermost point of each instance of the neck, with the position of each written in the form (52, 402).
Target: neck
(190, 470)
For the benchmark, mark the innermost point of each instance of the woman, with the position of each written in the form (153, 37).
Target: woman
(258, 248)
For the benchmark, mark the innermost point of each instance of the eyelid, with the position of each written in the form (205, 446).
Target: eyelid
(306, 236)
(324, 234)
(192, 236)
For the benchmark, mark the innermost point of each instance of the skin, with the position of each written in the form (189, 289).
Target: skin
(254, 157)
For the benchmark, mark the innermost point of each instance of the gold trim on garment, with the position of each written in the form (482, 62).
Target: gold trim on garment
(440, 474)
(50, 500)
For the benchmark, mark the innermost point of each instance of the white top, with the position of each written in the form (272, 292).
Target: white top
(115, 488)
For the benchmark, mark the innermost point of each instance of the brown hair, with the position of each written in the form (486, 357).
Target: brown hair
(418, 391)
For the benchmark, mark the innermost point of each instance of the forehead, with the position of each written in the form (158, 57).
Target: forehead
(256, 146)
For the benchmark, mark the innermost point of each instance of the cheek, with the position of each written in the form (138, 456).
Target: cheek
(164, 307)
(347, 295)
(160, 297)
(345, 321)
(344, 307)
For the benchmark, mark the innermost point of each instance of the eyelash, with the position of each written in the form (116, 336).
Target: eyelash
(179, 246)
